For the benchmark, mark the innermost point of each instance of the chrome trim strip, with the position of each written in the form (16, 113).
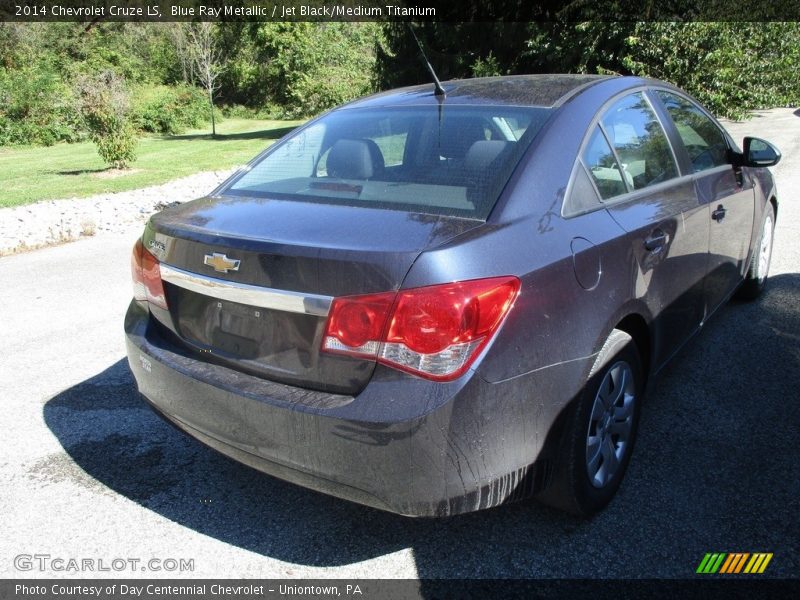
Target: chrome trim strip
(243, 293)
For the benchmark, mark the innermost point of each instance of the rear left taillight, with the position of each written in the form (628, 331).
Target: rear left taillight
(147, 285)
(435, 332)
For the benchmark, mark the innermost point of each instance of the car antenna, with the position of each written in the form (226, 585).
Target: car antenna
(438, 89)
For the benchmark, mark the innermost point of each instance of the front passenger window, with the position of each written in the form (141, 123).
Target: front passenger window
(639, 141)
(704, 142)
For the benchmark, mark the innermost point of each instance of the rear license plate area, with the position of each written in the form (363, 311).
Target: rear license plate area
(239, 329)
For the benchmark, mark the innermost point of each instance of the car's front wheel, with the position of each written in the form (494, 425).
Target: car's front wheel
(600, 431)
(756, 277)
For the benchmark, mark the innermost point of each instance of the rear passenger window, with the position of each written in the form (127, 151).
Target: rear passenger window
(704, 142)
(639, 141)
(601, 163)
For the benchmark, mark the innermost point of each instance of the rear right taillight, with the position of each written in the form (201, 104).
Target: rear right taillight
(146, 273)
(356, 324)
(435, 332)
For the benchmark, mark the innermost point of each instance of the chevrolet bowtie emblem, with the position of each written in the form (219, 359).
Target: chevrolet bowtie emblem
(221, 263)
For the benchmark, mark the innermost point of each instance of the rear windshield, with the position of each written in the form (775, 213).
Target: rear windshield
(448, 160)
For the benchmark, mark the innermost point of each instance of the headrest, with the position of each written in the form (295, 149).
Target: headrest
(482, 154)
(355, 159)
(457, 135)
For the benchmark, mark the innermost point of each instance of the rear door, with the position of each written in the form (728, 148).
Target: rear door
(727, 193)
(636, 173)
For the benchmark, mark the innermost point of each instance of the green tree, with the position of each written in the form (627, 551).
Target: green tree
(732, 68)
(206, 57)
(456, 50)
(324, 64)
(304, 67)
(40, 64)
(105, 106)
(486, 67)
(36, 104)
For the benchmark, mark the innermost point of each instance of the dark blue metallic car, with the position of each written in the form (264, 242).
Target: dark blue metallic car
(438, 303)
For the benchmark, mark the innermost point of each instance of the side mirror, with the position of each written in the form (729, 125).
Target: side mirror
(759, 153)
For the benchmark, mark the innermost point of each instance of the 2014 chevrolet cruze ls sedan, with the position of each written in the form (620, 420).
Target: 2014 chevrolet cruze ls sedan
(434, 304)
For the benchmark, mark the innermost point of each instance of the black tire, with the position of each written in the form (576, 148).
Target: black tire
(577, 487)
(756, 278)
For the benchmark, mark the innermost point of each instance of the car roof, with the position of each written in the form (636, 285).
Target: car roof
(515, 90)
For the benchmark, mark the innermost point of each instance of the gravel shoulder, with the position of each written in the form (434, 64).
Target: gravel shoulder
(57, 221)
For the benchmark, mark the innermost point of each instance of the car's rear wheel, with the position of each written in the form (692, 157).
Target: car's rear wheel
(756, 277)
(600, 431)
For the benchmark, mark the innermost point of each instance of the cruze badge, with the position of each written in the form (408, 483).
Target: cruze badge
(221, 263)
(158, 246)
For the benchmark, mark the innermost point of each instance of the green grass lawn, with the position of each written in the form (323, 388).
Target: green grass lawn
(29, 174)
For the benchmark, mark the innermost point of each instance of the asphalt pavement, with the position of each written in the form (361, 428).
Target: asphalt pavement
(89, 472)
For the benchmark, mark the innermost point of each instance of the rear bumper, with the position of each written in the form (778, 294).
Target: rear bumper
(403, 444)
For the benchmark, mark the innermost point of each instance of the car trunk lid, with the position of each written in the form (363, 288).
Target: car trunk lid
(249, 280)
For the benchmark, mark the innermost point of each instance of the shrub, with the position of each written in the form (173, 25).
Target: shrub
(486, 67)
(105, 107)
(238, 111)
(116, 144)
(36, 107)
(168, 109)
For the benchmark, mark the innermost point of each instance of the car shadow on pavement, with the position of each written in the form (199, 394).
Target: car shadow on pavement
(716, 468)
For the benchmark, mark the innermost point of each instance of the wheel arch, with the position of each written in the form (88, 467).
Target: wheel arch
(636, 326)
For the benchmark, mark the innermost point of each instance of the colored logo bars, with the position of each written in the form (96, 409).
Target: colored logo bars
(734, 562)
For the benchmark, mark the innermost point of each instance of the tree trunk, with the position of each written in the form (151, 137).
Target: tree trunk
(211, 105)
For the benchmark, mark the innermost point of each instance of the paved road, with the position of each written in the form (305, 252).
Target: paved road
(88, 472)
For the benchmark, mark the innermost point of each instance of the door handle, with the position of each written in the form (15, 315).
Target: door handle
(719, 213)
(656, 241)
